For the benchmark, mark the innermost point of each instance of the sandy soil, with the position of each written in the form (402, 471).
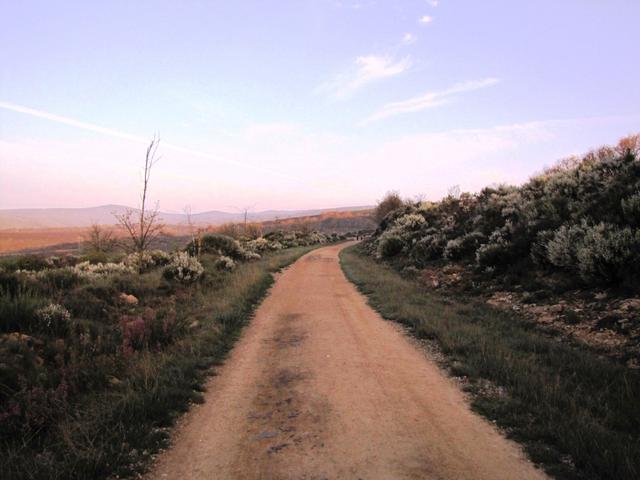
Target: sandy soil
(321, 387)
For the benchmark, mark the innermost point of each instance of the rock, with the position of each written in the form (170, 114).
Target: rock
(128, 299)
(558, 308)
(114, 381)
(194, 324)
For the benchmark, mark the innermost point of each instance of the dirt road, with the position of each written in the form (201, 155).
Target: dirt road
(320, 387)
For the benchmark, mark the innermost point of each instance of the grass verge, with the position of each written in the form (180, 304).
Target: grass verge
(576, 414)
(114, 432)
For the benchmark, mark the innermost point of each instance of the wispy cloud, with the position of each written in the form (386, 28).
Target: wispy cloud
(428, 100)
(409, 38)
(426, 19)
(126, 136)
(366, 70)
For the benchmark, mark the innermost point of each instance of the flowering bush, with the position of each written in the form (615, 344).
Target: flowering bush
(410, 221)
(183, 268)
(225, 263)
(248, 255)
(259, 244)
(89, 271)
(54, 318)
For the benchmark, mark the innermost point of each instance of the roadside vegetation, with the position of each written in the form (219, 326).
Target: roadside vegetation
(564, 247)
(575, 412)
(532, 295)
(100, 353)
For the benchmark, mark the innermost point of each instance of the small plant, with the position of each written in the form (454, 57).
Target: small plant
(54, 318)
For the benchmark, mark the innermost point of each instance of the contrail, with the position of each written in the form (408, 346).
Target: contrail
(128, 136)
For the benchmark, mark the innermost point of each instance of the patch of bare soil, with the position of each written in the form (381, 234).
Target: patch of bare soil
(321, 387)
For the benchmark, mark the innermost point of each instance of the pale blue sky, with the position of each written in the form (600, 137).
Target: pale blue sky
(296, 104)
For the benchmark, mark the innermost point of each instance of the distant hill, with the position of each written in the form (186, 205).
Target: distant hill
(103, 215)
(327, 222)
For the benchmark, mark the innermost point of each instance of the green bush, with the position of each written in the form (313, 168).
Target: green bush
(562, 248)
(608, 253)
(464, 246)
(537, 225)
(496, 253)
(390, 246)
(631, 209)
(218, 244)
(429, 247)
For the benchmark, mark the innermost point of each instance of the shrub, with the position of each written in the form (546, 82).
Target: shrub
(183, 268)
(388, 204)
(631, 209)
(58, 279)
(54, 319)
(257, 245)
(538, 252)
(160, 257)
(562, 248)
(410, 221)
(389, 245)
(463, 246)
(429, 247)
(608, 253)
(496, 253)
(89, 271)
(218, 244)
(225, 263)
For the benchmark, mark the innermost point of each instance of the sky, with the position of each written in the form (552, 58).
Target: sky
(293, 104)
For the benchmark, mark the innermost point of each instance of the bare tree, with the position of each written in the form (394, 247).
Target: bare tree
(143, 226)
(454, 191)
(100, 240)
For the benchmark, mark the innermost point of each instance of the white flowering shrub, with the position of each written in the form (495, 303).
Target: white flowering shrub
(88, 270)
(225, 263)
(160, 257)
(257, 245)
(54, 318)
(183, 268)
(148, 260)
(249, 255)
(410, 221)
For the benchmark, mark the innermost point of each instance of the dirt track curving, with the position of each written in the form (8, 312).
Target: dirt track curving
(320, 387)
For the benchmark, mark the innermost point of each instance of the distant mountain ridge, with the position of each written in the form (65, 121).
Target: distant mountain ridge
(84, 217)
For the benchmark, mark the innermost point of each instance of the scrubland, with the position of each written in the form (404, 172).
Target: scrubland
(100, 353)
(530, 295)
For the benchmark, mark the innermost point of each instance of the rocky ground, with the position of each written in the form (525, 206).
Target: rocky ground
(604, 320)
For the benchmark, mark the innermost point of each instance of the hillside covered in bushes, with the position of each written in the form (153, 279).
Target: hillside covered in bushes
(574, 227)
